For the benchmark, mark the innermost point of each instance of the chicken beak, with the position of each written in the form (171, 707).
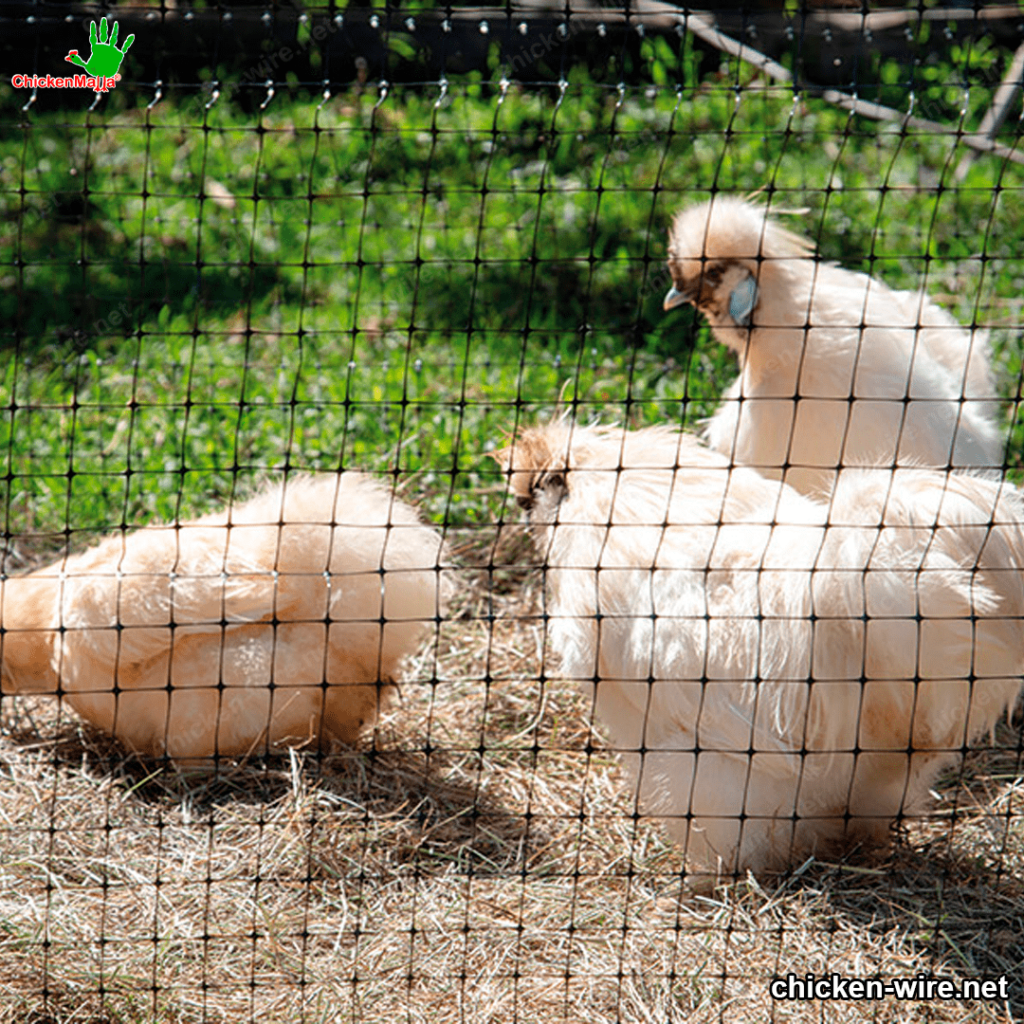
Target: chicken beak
(675, 298)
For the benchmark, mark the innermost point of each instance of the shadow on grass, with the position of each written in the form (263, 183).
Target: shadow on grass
(414, 808)
(78, 280)
(964, 913)
(952, 884)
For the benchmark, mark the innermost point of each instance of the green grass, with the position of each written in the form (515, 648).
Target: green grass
(193, 297)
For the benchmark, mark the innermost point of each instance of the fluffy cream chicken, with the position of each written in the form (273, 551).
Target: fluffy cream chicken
(279, 621)
(836, 368)
(779, 677)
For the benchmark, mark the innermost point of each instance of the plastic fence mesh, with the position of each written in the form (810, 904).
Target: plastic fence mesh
(364, 659)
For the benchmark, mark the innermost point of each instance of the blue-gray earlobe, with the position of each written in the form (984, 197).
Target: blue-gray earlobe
(742, 301)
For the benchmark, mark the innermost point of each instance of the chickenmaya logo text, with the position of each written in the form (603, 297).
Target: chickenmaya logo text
(102, 67)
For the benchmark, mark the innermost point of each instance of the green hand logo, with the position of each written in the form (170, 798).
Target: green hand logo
(105, 58)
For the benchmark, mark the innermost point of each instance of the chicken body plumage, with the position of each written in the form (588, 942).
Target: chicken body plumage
(777, 676)
(836, 368)
(279, 621)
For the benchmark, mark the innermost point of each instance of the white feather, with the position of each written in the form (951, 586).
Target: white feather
(836, 368)
(277, 622)
(778, 676)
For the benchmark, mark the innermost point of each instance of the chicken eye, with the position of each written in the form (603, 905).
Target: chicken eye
(553, 485)
(713, 274)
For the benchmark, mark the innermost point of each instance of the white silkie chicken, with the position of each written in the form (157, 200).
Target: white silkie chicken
(280, 621)
(779, 677)
(836, 368)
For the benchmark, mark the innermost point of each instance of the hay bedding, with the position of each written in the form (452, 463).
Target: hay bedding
(477, 861)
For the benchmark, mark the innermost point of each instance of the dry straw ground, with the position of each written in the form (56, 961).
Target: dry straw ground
(476, 862)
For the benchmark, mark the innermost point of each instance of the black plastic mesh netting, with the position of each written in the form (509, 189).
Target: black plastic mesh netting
(407, 612)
